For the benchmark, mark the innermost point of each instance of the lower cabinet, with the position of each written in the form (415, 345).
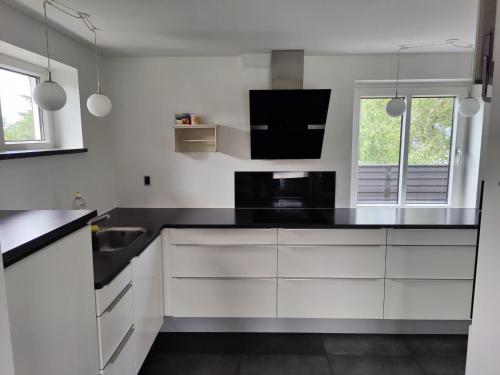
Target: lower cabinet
(130, 313)
(428, 299)
(51, 309)
(226, 297)
(123, 360)
(147, 279)
(331, 298)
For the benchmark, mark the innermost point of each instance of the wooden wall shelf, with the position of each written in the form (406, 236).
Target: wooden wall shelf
(195, 138)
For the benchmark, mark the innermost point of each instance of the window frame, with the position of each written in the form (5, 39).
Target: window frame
(41, 74)
(409, 91)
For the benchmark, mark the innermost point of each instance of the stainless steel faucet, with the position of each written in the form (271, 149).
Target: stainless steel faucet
(99, 218)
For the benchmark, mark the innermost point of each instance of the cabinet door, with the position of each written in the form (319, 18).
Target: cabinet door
(223, 261)
(230, 298)
(51, 306)
(332, 236)
(223, 236)
(148, 298)
(331, 298)
(428, 299)
(331, 261)
(431, 262)
(122, 361)
(432, 237)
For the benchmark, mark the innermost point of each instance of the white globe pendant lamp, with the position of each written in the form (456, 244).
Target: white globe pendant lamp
(396, 107)
(469, 105)
(98, 104)
(49, 95)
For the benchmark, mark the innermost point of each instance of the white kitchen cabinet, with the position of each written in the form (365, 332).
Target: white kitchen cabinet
(223, 261)
(227, 297)
(51, 306)
(114, 323)
(460, 237)
(223, 236)
(147, 279)
(431, 262)
(428, 299)
(332, 236)
(331, 298)
(331, 261)
(122, 362)
(107, 294)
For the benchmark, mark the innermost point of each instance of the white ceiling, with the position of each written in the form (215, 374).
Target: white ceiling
(233, 27)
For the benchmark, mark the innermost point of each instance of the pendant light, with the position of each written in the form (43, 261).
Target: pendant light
(396, 106)
(49, 95)
(98, 104)
(469, 105)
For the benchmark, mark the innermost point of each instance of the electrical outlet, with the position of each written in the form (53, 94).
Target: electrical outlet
(147, 180)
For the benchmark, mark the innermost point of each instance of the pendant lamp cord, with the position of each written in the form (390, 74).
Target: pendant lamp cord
(85, 17)
(47, 37)
(397, 72)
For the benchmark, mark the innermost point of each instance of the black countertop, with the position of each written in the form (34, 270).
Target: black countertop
(108, 264)
(23, 233)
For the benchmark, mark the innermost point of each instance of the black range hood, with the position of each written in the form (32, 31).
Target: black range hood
(288, 122)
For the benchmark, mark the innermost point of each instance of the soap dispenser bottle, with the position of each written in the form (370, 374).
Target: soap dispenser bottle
(78, 202)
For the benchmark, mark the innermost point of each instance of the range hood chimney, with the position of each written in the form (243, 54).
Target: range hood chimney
(288, 122)
(287, 69)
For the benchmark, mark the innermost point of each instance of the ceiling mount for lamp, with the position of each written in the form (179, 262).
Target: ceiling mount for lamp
(468, 106)
(49, 95)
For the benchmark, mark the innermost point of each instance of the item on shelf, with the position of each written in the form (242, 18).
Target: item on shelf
(183, 118)
(195, 120)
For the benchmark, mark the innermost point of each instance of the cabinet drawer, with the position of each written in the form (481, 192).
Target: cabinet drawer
(106, 295)
(114, 323)
(428, 299)
(223, 236)
(331, 298)
(431, 262)
(223, 261)
(122, 361)
(250, 298)
(331, 236)
(432, 237)
(331, 261)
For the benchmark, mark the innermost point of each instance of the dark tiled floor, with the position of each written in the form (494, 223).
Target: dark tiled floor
(305, 354)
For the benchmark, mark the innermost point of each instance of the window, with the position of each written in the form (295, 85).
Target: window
(407, 160)
(22, 123)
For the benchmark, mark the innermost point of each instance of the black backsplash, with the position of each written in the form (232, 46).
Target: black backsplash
(285, 189)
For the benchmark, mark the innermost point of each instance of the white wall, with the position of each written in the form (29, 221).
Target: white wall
(50, 181)
(148, 91)
(483, 358)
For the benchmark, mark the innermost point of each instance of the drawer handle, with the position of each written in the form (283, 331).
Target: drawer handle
(118, 350)
(269, 246)
(115, 302)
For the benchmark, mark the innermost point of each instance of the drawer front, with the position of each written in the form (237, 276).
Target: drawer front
(331, 261)
(431, 262)
(223, 236)
(251, 298)
(331, 236)
(428, 299)
(106, 295)
(331, 298)
(114, 324)
(122, 361)
(432, 237)
(223, 261)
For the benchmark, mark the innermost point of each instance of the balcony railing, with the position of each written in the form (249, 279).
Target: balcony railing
(425, 183)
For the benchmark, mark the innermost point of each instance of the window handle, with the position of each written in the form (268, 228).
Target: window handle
(459, 153)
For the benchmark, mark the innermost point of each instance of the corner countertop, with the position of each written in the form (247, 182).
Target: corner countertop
(23, 233)
(109, 264)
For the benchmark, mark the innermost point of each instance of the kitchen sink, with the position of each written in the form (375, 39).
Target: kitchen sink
(115, 238)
